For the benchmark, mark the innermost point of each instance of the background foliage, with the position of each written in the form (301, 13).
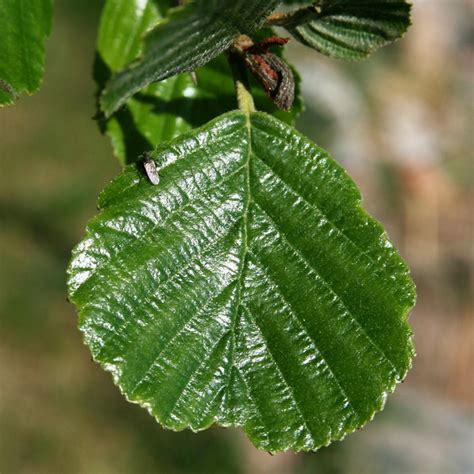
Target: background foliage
(62, 413)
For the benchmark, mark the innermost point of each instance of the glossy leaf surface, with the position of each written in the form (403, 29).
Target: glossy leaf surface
(25, 27)
(171, 107)
(189, 38)
(248, 288)
(346, 29)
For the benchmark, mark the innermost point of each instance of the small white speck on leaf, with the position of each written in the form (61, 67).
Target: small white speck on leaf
(151, 170)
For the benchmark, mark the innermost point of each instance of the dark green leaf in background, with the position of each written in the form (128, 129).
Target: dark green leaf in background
(248, 288)
(166, 109)
(348, 29)
(25, 25)
(189, 38)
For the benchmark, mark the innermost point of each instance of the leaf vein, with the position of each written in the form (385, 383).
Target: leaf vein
(328, 285)
(318, 350)
(192, 376)
(281, 374)
(316, 208)
(143, 238)
(179, 331)
(170, 278)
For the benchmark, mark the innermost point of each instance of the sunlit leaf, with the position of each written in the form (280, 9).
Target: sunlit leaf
(248, 288)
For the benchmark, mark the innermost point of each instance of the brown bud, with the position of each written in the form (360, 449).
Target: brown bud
(271, 71)
(274, 75)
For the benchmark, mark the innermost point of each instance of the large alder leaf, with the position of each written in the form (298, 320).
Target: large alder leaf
(189, 38)
(24, 28)
(346, 29)
(168, 108)
(248, 288)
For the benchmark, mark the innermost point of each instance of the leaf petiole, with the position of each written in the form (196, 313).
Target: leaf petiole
(242, 86)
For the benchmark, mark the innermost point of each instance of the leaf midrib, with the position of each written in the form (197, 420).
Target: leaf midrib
(243, 259)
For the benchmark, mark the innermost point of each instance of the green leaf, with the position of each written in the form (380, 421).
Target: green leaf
(122, 25)
(346, 29)
(248, 288)
(167, 109)
(189, 38)
(171, 107)
(25, 27)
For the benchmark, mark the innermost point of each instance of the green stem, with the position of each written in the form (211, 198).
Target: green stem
(242, 85)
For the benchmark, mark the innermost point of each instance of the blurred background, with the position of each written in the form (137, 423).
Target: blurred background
(401, 122)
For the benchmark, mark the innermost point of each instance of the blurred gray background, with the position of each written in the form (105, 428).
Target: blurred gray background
(401, 122)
